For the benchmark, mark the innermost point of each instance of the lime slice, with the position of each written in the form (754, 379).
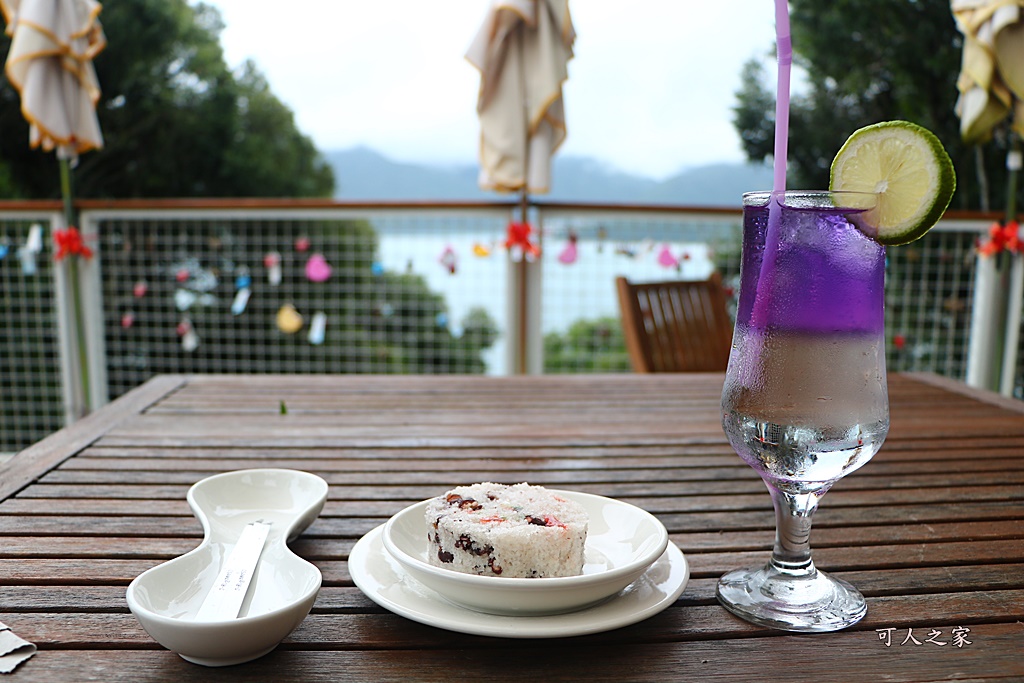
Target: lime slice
(907, 167)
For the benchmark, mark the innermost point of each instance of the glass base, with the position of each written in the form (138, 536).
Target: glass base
(805, 602)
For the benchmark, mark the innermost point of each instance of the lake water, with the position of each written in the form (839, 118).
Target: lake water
(582, 289)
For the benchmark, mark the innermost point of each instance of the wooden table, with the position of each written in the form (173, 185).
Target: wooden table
(930, 530)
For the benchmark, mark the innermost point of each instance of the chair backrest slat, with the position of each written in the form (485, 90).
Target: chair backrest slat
(677, 325)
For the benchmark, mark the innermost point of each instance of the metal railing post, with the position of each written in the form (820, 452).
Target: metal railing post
(72, 380)
(80, 332)
(90, 284)
(1014, 302)
(524, 287)
(983, 339)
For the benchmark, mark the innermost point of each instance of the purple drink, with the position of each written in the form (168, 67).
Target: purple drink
(805, 398)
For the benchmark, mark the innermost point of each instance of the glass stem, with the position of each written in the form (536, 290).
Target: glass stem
(793, 513)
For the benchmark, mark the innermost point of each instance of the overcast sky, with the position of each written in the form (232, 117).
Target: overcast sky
(650, 89)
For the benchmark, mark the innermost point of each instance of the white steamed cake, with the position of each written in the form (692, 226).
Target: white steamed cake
(519, 531)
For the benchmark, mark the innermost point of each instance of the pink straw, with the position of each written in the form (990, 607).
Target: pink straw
(784, 51)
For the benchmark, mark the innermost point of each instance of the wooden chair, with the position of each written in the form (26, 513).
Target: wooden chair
(676, 326)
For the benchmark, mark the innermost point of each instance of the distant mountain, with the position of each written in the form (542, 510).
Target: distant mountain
(362, 173)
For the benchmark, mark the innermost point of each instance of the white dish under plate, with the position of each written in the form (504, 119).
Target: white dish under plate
(622, 542)
(384, 581)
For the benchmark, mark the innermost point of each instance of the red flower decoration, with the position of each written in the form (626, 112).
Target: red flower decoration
(519, 238)
(1002, 238)
(69, 242)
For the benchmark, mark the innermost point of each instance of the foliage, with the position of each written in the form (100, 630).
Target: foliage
(409, 332)
(869, 61)
(176, 121)
(587, 346)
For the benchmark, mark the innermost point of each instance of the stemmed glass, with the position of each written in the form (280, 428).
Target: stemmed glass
(805, 400)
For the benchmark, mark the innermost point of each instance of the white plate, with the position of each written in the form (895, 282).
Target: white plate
(623, 541)
(383, 580)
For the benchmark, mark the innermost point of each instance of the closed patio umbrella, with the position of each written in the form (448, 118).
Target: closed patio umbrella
(53, 43)
(522, 51)
(991, 85)
(991, 81)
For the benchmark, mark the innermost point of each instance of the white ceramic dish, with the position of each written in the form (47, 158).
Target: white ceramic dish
(166, 598)
(622, 542)
(385, 582)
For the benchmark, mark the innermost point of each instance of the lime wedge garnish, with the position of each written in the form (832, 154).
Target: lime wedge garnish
(909, 170)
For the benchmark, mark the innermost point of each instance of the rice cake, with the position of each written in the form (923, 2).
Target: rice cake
(518, 531)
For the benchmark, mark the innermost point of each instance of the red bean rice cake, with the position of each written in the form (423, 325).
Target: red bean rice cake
(518, 531)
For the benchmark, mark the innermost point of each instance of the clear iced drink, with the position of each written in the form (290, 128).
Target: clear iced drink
(805, 398)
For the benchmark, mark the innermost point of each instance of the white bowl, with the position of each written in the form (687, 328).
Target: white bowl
(166, 598)
(622, 542)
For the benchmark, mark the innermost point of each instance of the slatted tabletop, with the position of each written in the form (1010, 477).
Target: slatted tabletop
(930, 530)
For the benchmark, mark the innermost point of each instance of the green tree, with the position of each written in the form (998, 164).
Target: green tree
(587, 346)
(176, 121)
(869, 61)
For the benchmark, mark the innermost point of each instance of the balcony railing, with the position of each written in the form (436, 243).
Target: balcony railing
(226, 286)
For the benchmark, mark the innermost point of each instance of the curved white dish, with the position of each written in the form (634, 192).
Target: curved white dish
(383, 580)
(622, 542)
(166, 598)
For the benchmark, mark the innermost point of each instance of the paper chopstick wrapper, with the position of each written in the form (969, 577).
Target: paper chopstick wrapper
(13, 650)
(224, 601)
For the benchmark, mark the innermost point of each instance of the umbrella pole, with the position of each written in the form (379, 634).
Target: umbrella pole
(1013, 162)
(983, 190)
(523, 337)
(65, 190)
(76, 294)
